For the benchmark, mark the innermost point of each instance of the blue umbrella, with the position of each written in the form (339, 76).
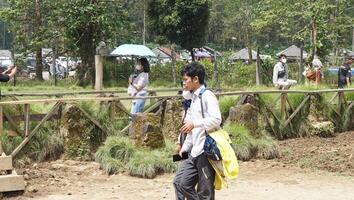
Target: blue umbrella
(132, 50)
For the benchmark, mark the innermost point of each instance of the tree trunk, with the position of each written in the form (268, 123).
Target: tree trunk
(192, 54)
(173, 65)
(216, 71)
(250, 54)
(39, 65)
(314, 36)
(86, 72)
(258, 69)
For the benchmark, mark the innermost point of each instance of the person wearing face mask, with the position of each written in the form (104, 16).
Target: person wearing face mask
(138, 85)
(280, 74)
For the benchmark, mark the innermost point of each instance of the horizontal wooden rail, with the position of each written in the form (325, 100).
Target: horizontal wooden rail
(5, 94)
(74, 99)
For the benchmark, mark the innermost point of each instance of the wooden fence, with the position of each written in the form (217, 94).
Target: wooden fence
(287, 111)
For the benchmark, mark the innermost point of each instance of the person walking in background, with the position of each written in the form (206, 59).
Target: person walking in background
(204, 117)
(345, 73)
(138, 85)
(281, 75)
(181, 138)
(8, 74)
(317, 66)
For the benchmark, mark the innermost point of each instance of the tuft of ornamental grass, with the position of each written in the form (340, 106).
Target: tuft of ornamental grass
(242, 141)
(267, 147)
(349, 96)
(46, 144)
(225, 104)
(120, 154)
(113, 155)
(143, 164)
(148, 164)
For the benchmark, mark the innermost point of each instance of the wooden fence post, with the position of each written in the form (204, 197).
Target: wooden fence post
(1, 120)
(283, 105)
(27, 116)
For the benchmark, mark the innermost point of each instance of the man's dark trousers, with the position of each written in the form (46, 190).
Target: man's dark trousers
(195, 171)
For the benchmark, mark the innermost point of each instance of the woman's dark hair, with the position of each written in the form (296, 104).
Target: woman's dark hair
(194, 69)
(145, 63)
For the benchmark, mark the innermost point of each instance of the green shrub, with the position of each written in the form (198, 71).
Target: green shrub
(142, 164)
(113, 155)
(226, 103)
(242, 141)
(46, 144)
(267, 147)
(120, 154)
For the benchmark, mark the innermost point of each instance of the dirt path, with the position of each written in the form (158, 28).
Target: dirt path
(259, 180)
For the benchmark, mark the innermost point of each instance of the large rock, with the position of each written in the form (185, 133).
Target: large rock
(172, 119)
(146, 131)
(322, 129)
(115, 108)
(82, 137)
(246, 114)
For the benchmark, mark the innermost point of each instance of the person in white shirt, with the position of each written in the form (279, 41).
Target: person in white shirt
(281, 75)
(138, 85)
(197, 170)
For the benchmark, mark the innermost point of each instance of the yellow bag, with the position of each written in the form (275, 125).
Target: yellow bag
(228, 167)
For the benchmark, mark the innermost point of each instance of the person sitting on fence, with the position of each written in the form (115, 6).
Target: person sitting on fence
(280, 74)
(8, 74)
(138, 85)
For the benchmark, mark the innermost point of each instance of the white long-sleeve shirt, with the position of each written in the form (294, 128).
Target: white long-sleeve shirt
(142, 80)
(280, 67)
(195, 140)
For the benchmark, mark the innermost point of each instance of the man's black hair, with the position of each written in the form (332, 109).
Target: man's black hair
(145, 63)
(282, 55)
(194, 69)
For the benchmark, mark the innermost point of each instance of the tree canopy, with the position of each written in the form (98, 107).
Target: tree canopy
(181, 22)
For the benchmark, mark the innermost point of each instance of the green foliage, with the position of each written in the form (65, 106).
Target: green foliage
(115, 153)
(247, 146)
(304, 18)
(225, 103)
(238, 74)
(116, 73)
(46, 144)
(269, 105)
(267, 147)
(181, 22)
(233, 76)
(242, 142)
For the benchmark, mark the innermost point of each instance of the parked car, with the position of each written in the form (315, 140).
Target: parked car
(5, 63)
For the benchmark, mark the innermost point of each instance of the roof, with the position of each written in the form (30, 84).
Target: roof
(133, 50)
(211, 51)
(243, 55)
(164, 52)
(293, 52)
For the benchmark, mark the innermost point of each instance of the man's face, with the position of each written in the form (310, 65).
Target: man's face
(350, 61)
(189, 83)
(283, 59)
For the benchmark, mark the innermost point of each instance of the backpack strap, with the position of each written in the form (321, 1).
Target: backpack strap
(201, 99)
